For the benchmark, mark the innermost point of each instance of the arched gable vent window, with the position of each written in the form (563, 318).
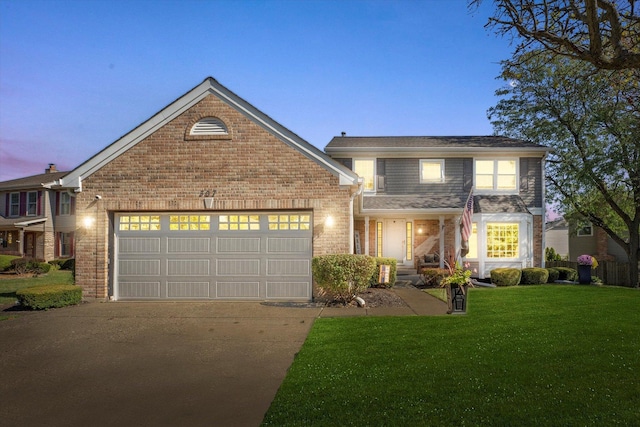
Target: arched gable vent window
(209, 126)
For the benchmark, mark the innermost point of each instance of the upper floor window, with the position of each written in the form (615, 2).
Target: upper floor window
(209, 126)
(431, 170)
(498, 175)
(14, 204)
(32, 203)
(366, 169)
(65, 203)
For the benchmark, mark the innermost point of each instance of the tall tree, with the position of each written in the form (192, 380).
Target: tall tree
(591, 118)
(605, 33)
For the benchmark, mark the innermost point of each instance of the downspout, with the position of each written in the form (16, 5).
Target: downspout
(351, 215)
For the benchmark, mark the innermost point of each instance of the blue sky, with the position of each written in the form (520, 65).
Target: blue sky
(77, 75)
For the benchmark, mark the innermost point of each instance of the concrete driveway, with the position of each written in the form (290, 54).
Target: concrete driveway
(147, 364)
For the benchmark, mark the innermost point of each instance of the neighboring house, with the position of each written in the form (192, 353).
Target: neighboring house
(556, 236)
(415, 189)
(584, 238)
(37, 222)
(212, 199)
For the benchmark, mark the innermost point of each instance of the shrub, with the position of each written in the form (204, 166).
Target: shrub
(554, 274)
(29, 265)
(374, 282)
(49, 296)
(5, 261)
(68, 264)
(534, 276)
(567, 273)
(342, 276)
(550, 254)
(431, 277)
(506, 276)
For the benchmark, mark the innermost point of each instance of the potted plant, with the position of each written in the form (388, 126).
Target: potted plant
(585, 264)
(456, 284)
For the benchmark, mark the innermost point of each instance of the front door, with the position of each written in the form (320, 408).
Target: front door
(394, 239)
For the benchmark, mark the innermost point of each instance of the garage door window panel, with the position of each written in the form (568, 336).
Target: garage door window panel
(289, 222)
(189, 222)
(140, 223)
(239, 222)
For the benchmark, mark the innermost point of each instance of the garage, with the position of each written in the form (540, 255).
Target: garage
(223, 256)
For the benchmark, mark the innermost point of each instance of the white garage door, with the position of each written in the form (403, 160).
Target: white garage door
(235, 256)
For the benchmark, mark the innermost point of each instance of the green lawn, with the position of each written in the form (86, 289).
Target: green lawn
(522, 356)
(9, 286)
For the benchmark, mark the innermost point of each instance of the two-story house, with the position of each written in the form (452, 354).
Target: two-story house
(37, 222)
(415, 190)
(210, 198)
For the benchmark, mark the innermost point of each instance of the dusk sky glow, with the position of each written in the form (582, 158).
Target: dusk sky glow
(77, 75)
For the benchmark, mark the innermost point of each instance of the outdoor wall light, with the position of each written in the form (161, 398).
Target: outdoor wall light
(420, 230)
(88, 222)
(329, 222)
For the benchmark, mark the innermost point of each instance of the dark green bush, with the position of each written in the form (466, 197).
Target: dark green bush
(19, 265)
(68, 264)
(342, 276)
(506, 276)
(49, 296)
(393, 275)
(534, 276)
(554, 274)
(431, 277)
(567, 273)
(29, 265)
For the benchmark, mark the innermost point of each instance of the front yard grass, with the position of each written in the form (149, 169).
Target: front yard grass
(9, 284)
(526, 356)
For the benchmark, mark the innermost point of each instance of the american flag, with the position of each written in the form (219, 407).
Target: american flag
(467, 214)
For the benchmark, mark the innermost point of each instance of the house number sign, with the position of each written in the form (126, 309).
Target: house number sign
(207, 193)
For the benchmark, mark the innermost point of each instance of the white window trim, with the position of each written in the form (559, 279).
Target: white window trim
(35, 203)
(477, 190)
(432, 181)
(63, 203)
(11, 205)
(525, 236)
(375, 184)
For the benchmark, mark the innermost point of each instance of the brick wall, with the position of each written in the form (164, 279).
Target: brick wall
(250, 170)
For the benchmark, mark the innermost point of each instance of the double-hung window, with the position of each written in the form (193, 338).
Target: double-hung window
(431, 170)
(65, 203)
(14, 204)
(496, 175)
(32, 203)
(366, 169)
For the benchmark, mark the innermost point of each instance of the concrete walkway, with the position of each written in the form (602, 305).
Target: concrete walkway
(159, 364)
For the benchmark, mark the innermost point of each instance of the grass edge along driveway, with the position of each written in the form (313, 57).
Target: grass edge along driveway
(527, 356)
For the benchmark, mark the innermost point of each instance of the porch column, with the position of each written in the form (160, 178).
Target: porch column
(366, 235)
(441, 248)
(21, 242)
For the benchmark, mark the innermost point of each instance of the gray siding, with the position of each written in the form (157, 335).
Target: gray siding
(403, 177)
(531, 181)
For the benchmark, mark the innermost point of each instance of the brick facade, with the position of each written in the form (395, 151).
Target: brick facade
(251, 170)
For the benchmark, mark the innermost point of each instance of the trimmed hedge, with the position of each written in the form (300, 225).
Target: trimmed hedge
(342, 276)
(567, 273)
(49, 296)
(393, 274)
(506, 276)
(554, 274)
(534, 276)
